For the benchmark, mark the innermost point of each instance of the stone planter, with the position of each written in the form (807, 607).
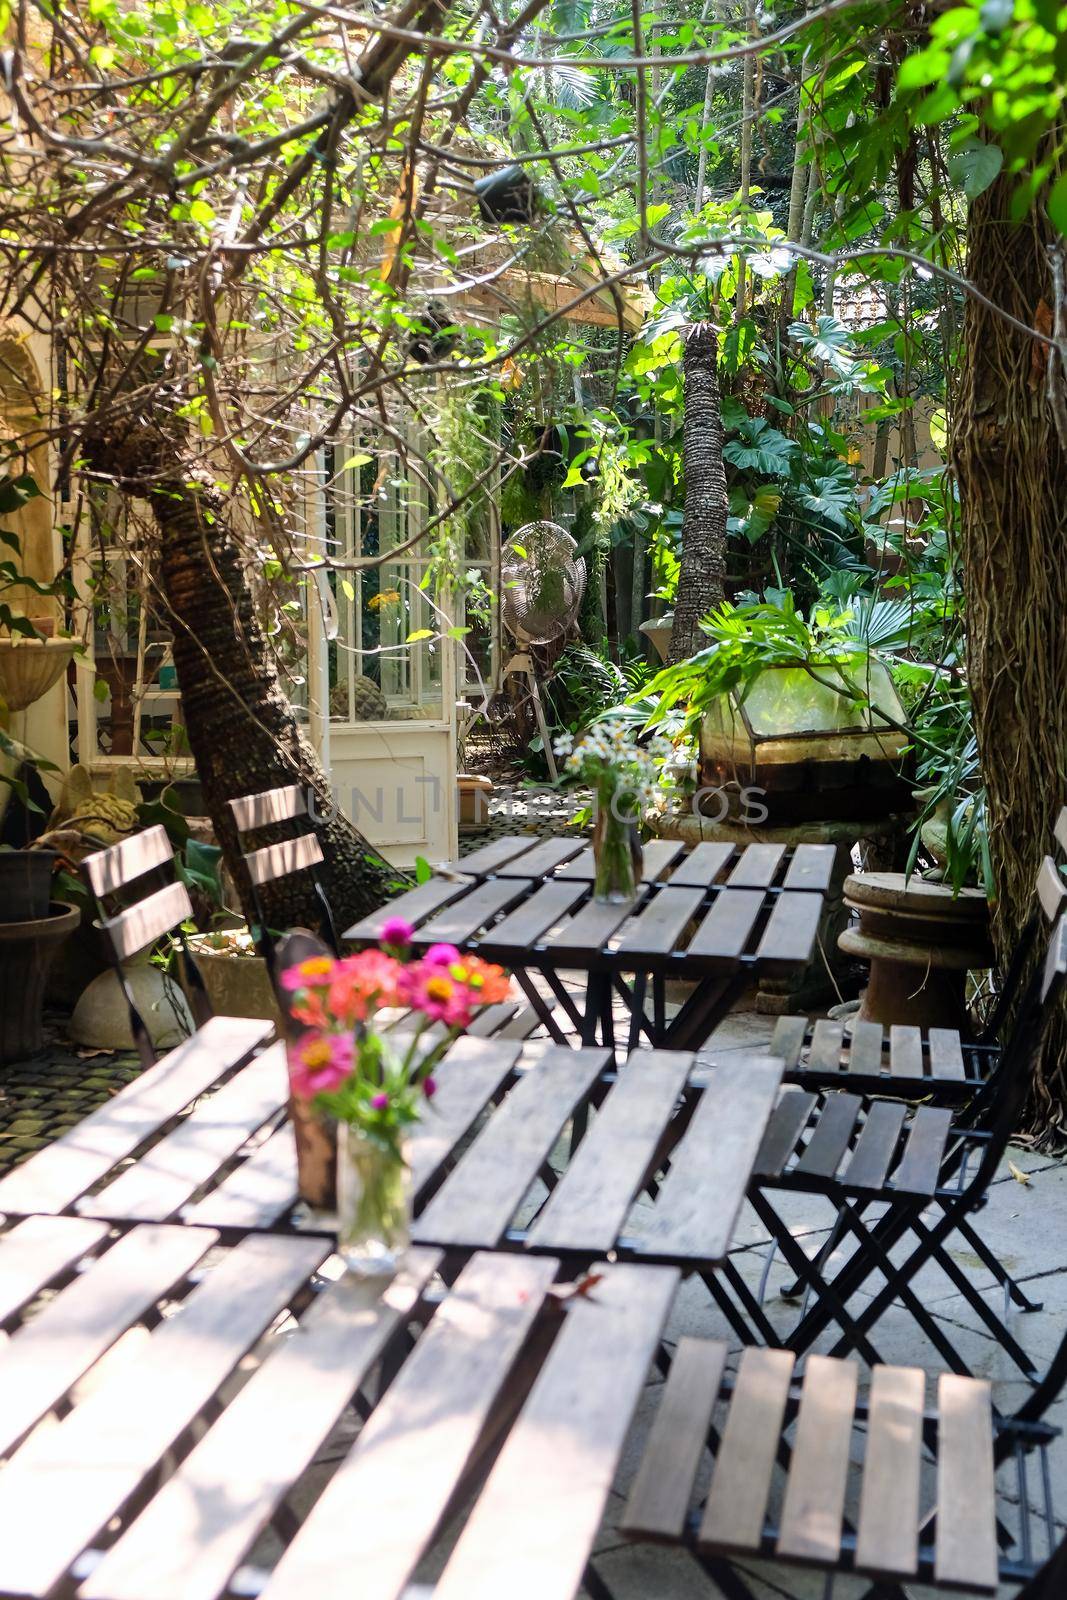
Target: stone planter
(237, 983)
(810, 749)
(26, 951)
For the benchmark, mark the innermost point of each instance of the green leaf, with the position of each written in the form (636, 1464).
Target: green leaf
(976, 166)
(419, 634)
(423, 870)
(359, 460)
(1057, 203)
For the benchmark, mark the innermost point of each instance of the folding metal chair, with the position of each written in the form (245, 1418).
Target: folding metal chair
(812, 1470)
(164, 907)
(302, 852)
(936, 1065)
(860, 1152)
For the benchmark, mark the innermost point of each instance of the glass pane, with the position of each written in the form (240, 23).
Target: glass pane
(138, 707)
(377, 674)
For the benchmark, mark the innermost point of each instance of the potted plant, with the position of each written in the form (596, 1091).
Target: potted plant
(372, 1085)
(802, 709)
(623, 776)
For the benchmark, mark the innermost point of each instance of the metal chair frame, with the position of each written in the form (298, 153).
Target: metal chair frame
(984, 1134)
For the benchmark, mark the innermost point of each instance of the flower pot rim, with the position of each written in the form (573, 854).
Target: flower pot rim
(62, 919)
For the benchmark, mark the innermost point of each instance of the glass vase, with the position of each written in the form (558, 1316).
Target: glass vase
(373, 1204)
(618, 856)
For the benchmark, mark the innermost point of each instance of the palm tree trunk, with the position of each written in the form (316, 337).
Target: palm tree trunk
(242, 731)
(703, 559)
(1011, 466)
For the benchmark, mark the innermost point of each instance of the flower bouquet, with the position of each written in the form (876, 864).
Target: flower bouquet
(623, 776)
(375, 1084)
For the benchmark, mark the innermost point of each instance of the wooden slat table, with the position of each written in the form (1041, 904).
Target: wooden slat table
(155, 1473)
(716, 914)
(479, 1157)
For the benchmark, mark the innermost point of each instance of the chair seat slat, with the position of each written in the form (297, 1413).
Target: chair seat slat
(919, 1168)
(905, 1051)
(872, 1156)
(946, 1054)
(788, 1121)
(864, 1054)
(887, 1543)
(830, 1137)
(787, 1041)
(966, 1548)
(736, 1507)
(814, 1504)
(659, 1499)
(827, 1040)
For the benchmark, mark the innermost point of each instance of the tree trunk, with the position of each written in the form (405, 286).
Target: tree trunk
(703, 559)
(1011, 468)
(242, 731)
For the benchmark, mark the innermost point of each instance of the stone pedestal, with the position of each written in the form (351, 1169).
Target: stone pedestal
(921, 941)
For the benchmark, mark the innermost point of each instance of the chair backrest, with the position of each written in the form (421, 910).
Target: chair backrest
(300, 853)
(1009, 1088)
(1026, 946)
(133, 927)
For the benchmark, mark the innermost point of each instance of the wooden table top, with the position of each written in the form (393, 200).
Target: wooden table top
(501, 1358)
(527, 902)
(225, 1159)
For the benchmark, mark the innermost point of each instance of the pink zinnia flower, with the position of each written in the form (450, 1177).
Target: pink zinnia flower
(397, 932)
(363, 984)
(316, 970)
(319, 1063)
(429, 1088)
(440, 955)
(379, 1101)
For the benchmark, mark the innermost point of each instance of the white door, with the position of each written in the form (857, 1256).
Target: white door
(382, 673)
